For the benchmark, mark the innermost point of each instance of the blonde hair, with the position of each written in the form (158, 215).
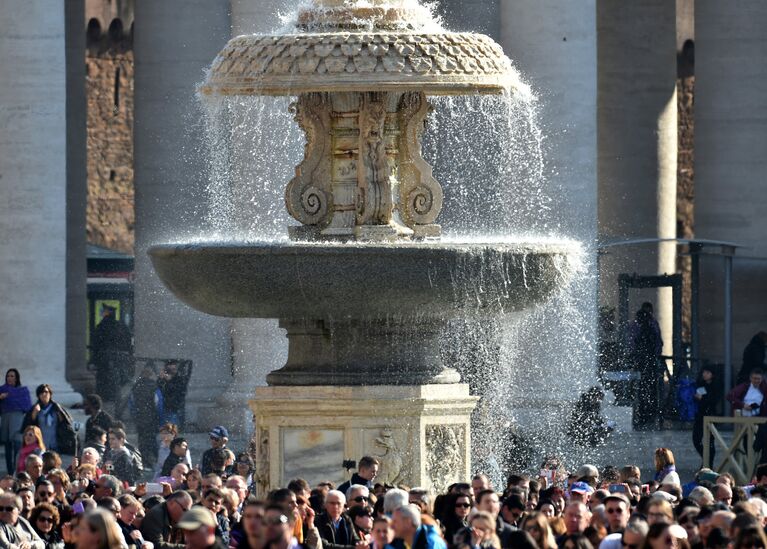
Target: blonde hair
(489, 525)
(103, 522)
(38, 435)
(663, 458)
(547, 536)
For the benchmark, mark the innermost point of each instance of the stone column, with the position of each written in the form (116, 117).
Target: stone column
(637, 122)
(33, 193)
(553, 44)
(730, 163)
(174, 41)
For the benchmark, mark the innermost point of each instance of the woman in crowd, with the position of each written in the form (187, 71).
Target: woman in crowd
(576, 541)
(53, 420)
(98, 529)
(60, 481)
(194, 482)
(32, 444)
(455, 515)
(663, 535)
(168, 432)
(362, 518)
(130, 508)
(244, 467)
(665, 470)
(15, 402)
(480, 533)
(44, 519)
(537, 525)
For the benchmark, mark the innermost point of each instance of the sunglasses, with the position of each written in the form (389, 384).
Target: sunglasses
(360, 499)
(463, 505)
(49, 520)
(44, 494)
(612, 510)
(7, 509)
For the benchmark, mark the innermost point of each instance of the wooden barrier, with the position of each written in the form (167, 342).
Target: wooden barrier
(738, 461)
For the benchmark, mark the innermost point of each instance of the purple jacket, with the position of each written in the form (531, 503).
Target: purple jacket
(18, 399)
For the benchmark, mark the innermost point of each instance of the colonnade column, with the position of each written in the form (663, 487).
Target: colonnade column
(730, 166)
(33, 194)
(174, 41)
(637, 137)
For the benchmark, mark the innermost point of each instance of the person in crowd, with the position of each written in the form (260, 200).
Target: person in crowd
(33, 466)
(362, 519)
(32, 443)
(168, 432)
(27, 496)
(98, 441)
(159, 527)
(662, 535)
(617, 509)
(659, 510)
(130, 509)
(179, 449)
(357, 495)
(44, 492)
(54, 422)
(15, 402)
(753, 357)
(172, 382)
(240, 486)
(455, 514)
(213, 501)
(479, 483)
(145, 396)
(577, 518)
(279, 528)
(748, 397)
(120, 458)
(178, 475)
(383, 533)
(199, 527)
(44, 519)
(97, 416)
(488, 502)
(107, 486)
(646, 347)
(244, 467)
(15, 530)
(479, 534)
(587, 426)
(194, 482)
(408, 526)
(61, 486)
(665, 467)
(98, 529)
(706, 400)
(367, 471)
(219, 437)
(335, 527)
(51, 460)
(421, 498)
(512, 509)
(537, 525)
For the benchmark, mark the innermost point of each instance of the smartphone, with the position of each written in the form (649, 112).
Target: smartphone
(153, 488)
(78, 508)
(645, 488)
(618, 489)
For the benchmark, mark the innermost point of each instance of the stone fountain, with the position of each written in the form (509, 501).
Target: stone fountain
(364, 286)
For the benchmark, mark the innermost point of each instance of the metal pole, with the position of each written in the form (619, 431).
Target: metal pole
(695, 250)
(728, 253)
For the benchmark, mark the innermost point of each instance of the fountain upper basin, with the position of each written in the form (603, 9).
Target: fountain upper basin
(301, 280)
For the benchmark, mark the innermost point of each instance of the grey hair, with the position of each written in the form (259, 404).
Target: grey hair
(638, 527)
(113, 483)
(701, 495)
(411, 513)
(338, 493)
(10, 496)
(32, 457)
(354, 487)
(394, 499)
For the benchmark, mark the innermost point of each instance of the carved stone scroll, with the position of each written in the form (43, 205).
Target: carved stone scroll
(308, 196)
(420, 195)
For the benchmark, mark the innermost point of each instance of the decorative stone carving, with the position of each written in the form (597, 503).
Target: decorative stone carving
(374, 203)
(438, 64)
(308, 196)
(393, 469)
(262, 462)
(421, 197)
(445, 448)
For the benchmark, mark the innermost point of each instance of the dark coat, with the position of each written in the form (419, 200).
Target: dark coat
(100, 419)
(356, 479)
(156, 528)
(328, 532)
(738, 393)
(504, 532)
(66, 437)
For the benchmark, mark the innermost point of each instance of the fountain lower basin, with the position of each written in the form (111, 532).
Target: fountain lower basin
(430, 280)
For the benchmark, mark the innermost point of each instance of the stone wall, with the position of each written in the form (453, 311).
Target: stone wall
(109, 93)
(685, 211)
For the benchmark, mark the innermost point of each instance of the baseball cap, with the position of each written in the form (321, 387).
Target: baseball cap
(219, 431)
(195, 518)
(581, 488)
(619, 497)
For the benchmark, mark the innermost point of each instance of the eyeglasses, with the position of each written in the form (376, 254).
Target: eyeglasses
(49, 520)
(276, 521)
(183, 509)
(360, 499)
(7, 509)
(463, 505)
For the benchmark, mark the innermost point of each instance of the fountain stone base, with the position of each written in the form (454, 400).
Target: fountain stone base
(420, 433)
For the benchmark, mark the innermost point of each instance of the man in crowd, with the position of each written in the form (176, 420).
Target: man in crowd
(367, 471)
(407, 525)
(15, 531)
(120, 458)
(97, 417)
(107, 486)
(252, 535)
(577, 518)
(213, 501)
(219, 436)
(199, 529)
(618, 509)
(480, 483)
(33, 465)
(488, 501)
(159, 526)
(357, 496)
(334, 525)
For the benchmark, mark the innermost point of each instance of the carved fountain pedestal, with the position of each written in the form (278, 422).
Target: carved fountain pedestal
(364, 286)
(420, 433)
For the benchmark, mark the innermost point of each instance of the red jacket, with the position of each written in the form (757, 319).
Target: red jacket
(738, 393)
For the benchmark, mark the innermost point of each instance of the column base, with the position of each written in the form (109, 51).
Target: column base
(420, 433)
